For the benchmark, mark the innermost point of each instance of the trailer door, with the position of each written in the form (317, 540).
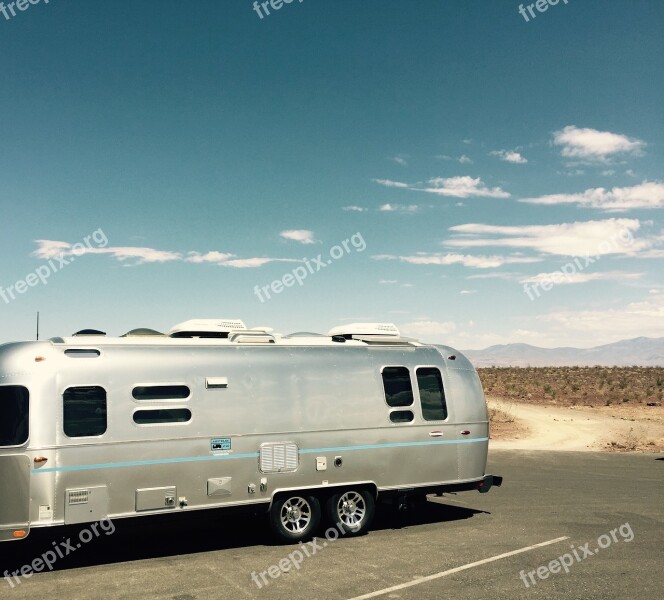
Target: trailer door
(14, 467)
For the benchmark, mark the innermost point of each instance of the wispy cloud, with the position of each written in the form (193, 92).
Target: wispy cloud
(455, 187)
(408, 209)
(51, 249)
(465, 160)
(304, 236)
(467, 260)
(628, 321)
(48, 249)
(575, 278)
(400, 159)
(596, 238)
(593, 145)
(462, 187)
(511, 156)
(390, 183)
(644, 195)
(354, 208)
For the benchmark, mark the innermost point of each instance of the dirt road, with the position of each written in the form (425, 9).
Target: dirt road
(560, 428)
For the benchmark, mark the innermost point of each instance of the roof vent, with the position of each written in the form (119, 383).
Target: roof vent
(206, 328)
(348, 331)
(89, 332)
(142, 332)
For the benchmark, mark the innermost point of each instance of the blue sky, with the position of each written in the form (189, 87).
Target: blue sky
(470, 153)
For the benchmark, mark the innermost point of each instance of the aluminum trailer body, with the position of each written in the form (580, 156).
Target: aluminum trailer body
(93, 427)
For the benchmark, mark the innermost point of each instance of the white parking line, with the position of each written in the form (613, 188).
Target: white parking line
(456, 570)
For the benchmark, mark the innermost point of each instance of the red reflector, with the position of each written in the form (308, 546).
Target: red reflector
(480, 484)
(19, 534)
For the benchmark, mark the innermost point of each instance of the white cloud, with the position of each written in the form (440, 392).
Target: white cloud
(560, 278)
(644, 195)
(642, 318)
(594, 145)
(213, 257)
(225, 259)
(455, 187)
(50, 249)
(498, 275)
(401, 159)
(466, 292)
(467, 260)
(410, 208)
(593, 238)
(354, 208)
(390, 183)
(465, 160)
(304, 236)
(388, 282)
(251, 263)
(510, 156)
(463, 187)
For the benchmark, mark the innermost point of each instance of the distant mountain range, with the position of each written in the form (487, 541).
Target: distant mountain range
(641, 351)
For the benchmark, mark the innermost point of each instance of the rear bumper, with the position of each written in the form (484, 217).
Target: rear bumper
(481, 485)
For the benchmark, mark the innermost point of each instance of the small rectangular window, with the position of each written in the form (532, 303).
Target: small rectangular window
(401, 416)
(398, 389)
(84, 411)
(14, 415)
(161, 416)
(432, 394)
(161, 392)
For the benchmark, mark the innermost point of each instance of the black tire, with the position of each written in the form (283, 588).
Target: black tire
(295, 517)
(351, 511)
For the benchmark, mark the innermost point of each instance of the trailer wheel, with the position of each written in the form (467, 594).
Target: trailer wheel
(294, 518)
(352, 511)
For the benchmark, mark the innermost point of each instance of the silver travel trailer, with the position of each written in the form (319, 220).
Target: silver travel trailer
(304, 426)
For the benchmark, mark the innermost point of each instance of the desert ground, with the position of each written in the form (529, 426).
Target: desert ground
(571, 408)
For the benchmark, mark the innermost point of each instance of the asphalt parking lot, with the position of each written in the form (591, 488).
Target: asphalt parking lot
(468, 545)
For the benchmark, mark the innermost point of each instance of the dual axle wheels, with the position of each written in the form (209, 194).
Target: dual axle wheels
(294, 517)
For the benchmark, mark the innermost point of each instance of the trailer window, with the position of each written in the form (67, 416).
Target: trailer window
(14, 415)
(161, 416)
(161, 392)
(84, 411)
(398, 389)
(401, 416)
(432, 394)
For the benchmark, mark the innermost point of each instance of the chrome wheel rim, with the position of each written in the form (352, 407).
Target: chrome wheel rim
(295, 515)
(351, 509)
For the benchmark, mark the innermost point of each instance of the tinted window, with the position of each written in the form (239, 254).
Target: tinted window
(166, 415)
(401, 416)
(398, 390)
(161, 392)
(432, 394)
(14, 415)
(84, 411)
